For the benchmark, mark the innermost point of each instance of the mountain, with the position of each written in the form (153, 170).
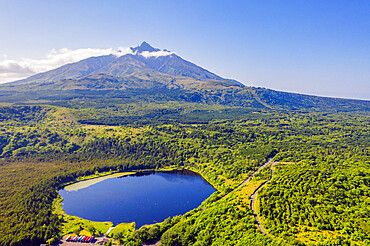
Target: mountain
(147, 83)
(141, 59)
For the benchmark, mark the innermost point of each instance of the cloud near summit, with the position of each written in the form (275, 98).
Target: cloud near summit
(11, 70)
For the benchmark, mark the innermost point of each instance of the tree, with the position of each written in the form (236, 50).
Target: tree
(171, 238)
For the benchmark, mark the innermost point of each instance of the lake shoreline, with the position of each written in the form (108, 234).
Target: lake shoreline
(58, 202)
(130, 172)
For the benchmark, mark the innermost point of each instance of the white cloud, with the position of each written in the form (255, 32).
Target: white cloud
(123, 51)
(147, 54)
(10, 66)
(11, 70)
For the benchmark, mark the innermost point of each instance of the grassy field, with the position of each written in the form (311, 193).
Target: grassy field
(124, 229)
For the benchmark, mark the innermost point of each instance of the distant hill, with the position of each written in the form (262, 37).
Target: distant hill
(149, 82)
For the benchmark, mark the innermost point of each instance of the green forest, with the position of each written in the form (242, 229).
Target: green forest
(319, 194)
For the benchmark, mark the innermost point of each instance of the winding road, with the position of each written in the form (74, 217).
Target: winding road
(259, 169)
(253, 197)
(248, 179)
(255, 192)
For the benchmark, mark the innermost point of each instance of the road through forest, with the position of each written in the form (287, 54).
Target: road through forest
(255, 192)
(253, 197)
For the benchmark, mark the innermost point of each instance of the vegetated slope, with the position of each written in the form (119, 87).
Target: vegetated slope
(160, 91)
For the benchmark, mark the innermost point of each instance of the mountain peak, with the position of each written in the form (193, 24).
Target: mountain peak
(144, 47)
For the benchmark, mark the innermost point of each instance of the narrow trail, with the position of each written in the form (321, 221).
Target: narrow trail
(248, 179)
(259, 169)
(253, 197)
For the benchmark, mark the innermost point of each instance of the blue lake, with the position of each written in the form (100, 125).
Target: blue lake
(141, 198)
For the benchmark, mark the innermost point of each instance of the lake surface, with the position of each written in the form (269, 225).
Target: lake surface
(144, 198)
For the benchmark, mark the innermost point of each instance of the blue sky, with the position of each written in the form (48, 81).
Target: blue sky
(311, 47)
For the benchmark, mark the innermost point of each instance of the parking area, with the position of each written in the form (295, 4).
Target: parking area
(65, 241)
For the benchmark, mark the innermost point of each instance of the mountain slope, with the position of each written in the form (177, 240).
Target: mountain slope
(69, 71)
(175, 65)
(142, 59)
(165, 90)
(123, 66)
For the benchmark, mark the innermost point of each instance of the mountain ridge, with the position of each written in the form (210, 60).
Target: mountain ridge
(142, 58)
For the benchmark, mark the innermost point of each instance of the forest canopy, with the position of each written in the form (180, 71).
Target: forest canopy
(319, 195)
